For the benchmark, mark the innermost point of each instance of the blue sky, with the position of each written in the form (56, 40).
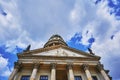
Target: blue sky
(83, 24)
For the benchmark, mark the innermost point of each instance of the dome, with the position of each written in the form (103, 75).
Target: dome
(55, 40)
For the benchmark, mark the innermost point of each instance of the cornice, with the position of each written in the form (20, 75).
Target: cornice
(57, 57)
(30, 52)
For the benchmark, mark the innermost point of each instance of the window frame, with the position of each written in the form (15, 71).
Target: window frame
(78, 76)
(25, 76)
(96, 76)
(44, 76)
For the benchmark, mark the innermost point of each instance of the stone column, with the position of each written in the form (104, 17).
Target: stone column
(87, 72)
(53, 71)
(100, 68)
(34, 72)
(17, 67)
(70, 72)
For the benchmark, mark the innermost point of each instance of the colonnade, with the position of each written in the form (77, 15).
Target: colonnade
(53, 71)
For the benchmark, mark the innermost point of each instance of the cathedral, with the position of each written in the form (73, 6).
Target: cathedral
(58, 61)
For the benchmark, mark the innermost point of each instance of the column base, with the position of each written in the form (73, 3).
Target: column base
(32, 78)
(89, 79)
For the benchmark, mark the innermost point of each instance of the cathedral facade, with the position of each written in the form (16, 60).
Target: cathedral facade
(57, 61)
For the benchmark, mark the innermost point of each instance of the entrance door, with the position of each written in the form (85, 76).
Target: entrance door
(61, 75)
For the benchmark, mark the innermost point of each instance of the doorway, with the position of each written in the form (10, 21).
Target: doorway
(61, 75)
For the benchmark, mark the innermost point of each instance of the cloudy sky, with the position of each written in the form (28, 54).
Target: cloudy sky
(83, 24)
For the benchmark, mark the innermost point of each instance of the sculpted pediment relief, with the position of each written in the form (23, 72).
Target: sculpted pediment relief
(60, 52)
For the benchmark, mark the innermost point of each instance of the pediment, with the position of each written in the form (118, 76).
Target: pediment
(62, 52)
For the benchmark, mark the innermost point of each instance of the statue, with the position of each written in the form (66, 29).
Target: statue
(90, 51)
(28, 48)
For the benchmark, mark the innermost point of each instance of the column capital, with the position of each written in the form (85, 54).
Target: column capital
(69, 65)
(36, 65)
(85, 66)
(53, 65)
(99, 67)
(17, 65)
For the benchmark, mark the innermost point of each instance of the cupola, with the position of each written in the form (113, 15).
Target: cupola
(55, 40)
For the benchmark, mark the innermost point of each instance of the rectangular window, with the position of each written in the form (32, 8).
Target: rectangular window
(94, 78)
(26, 77)
(43, 77)
(78, 78)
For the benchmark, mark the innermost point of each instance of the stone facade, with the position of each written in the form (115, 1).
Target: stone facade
(58, 61)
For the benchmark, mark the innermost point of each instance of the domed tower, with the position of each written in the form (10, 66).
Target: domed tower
(55, 40)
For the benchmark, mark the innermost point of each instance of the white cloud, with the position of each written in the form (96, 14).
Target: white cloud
(12, 32)
(115, 2)
(6, 72)
(46, 19)
(77, 12)
(96, 20)
(22, 42)
(24, 25)
(39, 23)
(3, 62)
(9, 24)
(108, 47)
(4, 66)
